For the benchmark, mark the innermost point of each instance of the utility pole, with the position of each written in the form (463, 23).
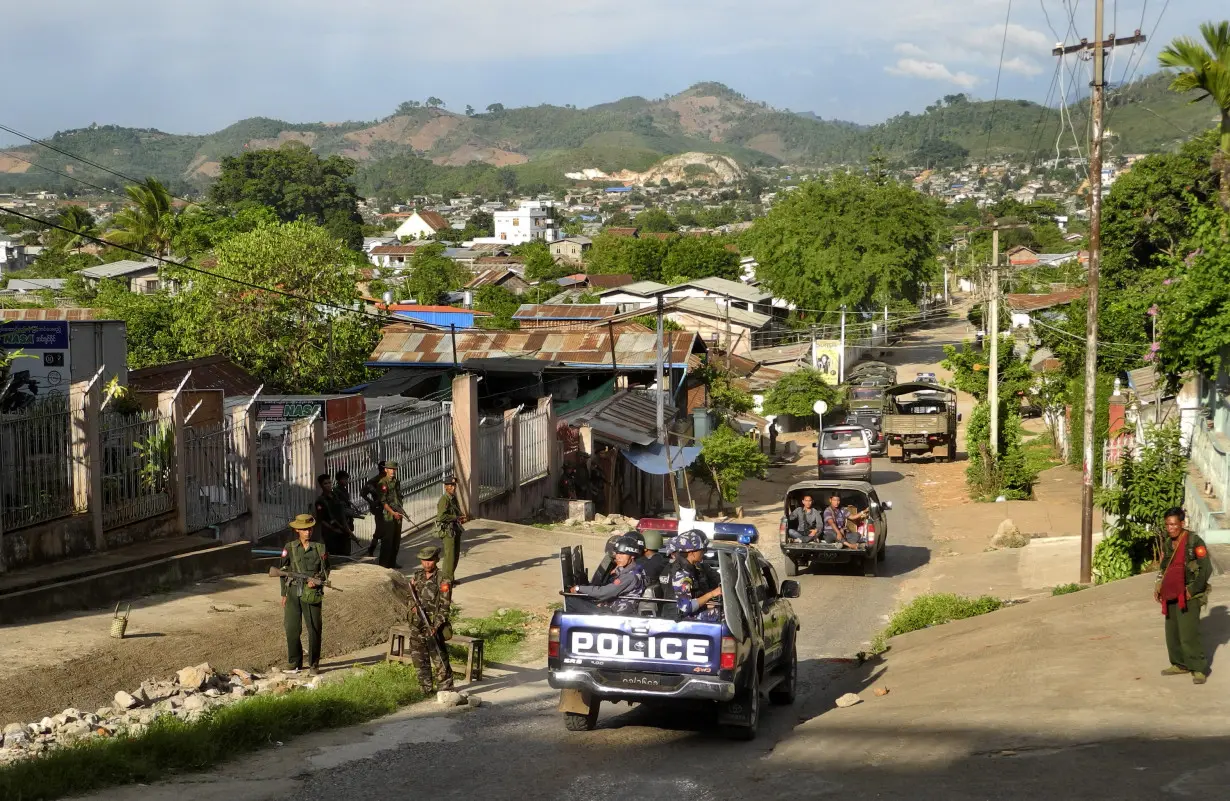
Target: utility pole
(658, 375)
(813, 347)
(728, 344)
(841, 353)
(1097, 102)
(993, 372)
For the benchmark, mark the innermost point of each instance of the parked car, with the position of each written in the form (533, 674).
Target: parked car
(874, 530)
(844, 452)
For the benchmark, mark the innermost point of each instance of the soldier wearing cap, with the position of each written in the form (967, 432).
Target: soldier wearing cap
(388, 522)
(302, 598)
(427, 640)
(448, 527)
(370, 494)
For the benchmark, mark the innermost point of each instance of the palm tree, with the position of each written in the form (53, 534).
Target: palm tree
(1206, 68)
(148, 224)
(80, 222)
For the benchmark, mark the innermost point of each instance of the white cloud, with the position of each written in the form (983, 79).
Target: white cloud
(931, 71)
(909, 49)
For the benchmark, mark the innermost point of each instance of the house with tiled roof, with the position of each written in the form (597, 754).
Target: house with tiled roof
(422, 225)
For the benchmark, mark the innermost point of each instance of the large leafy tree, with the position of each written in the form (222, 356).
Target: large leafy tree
(699, 257)
(148, 222)
(655, 221)
(308, 341)
(431, 275)
(1206, 68)
(847, 240)
(622, 254)
(1195, 328)
(295, 183)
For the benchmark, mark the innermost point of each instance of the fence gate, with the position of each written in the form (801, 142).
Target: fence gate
(213, 473)
(419, 439)
(138, 456)
(285, 483)
(35, 465)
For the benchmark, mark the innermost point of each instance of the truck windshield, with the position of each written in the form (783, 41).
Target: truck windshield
(867, 394)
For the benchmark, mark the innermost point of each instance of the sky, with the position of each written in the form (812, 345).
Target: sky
(197, 67)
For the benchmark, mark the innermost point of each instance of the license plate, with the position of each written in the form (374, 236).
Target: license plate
(828, 556)
(641, 680)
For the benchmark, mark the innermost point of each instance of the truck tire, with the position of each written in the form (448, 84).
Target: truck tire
(790, 568)
(783, 694)
(750, 696)
(871, 564)
(586, 722)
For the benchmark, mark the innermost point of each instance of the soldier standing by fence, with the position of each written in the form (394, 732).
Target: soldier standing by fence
(388, 522)
(369, 494)
(331, 518)
(428, 630)
(448, 527)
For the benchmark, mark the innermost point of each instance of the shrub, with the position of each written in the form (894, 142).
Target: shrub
(1067, 589)
(930, 610)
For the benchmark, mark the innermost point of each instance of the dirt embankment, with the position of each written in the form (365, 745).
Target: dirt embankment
(230, 623)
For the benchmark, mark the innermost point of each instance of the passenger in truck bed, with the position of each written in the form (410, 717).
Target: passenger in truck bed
(623, 588)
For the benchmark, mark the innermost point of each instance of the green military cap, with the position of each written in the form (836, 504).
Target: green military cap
(429, 552)
(390, 465)
(302, 522)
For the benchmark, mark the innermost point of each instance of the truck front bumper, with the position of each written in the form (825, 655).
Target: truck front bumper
(701, 688)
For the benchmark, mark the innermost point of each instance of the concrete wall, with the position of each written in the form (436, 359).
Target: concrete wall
(73, 536)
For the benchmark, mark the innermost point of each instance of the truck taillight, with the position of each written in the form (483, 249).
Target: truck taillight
(553, 643)
(728, 653)
(871, 533)
(781, 529)
(862, 460)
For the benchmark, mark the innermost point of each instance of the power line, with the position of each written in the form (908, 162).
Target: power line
(998, 73)
(70, 176)
(201, 271)
(82, 159)
(1110, 345)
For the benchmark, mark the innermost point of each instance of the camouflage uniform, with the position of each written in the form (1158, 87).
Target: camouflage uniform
(448, 529)
(435, 595)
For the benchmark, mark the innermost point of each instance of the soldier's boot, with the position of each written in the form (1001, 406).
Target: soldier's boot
(1175, 670)
(1199, 678)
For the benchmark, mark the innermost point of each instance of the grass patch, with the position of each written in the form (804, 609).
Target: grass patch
(172, 746)
(1040, 453)
(502, 635)
(1067, 589)
(930, 610)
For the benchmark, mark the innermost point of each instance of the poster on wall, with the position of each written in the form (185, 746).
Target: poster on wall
(826, 360)
(42, 370)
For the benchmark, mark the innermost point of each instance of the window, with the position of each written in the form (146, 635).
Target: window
(503, 235)
(516, 221)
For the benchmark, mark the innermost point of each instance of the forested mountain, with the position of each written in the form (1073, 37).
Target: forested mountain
(426, 147)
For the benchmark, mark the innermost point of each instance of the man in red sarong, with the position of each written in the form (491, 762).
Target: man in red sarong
(1182, 588)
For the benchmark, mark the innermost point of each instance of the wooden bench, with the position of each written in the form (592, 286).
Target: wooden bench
(399, 651)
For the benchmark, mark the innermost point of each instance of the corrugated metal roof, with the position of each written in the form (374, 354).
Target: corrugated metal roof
(118, 268)
(643, 288)
(1028, 303)
(564, 311)
(781, 353)
(51, 314)
(492, 276)
(1146, 383)
(610, 281)
(710, 308)
(592, 348)
(625, 418)
(210, 372)
(736, 289)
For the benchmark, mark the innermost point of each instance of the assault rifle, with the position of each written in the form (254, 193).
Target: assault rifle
(276, 572)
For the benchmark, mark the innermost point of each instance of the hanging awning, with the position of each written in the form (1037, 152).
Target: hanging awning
(397, 382)
(653, 458)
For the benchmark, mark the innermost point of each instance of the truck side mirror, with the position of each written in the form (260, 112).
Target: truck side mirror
(958, 417)
(790, 589)
(888, 505)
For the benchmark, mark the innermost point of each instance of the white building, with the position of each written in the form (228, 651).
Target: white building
(532, 219)
(421, 225)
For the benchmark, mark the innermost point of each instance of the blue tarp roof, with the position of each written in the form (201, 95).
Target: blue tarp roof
(653, 458)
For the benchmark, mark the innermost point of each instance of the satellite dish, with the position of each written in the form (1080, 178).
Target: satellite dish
(820, 407)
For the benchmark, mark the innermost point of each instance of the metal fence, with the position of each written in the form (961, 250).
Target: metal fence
(138, 458)
(493, 458)
(419, 439)
(535, 439)
(285, 484)
(213, 473)
(35, 465)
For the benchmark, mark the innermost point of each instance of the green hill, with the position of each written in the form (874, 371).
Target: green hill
(418, 147)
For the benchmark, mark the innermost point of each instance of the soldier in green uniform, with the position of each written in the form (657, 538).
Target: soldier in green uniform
(1182, 588)
(427, 640)
(448, 527)
(331, 518)
(301, 598)
(388, 522)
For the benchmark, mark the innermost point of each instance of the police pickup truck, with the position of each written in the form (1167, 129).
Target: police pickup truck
(657, 656)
